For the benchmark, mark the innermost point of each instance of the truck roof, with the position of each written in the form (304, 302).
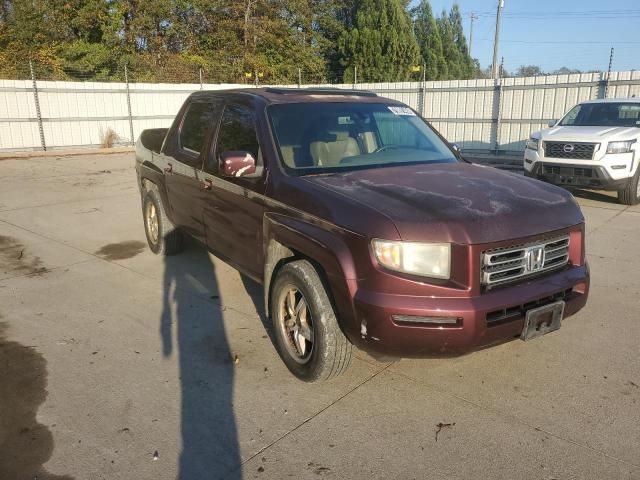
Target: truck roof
(613, 100)
(302, 95)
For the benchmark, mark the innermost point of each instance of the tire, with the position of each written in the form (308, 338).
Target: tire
(631, 194)
(164, 238)
(329, 353)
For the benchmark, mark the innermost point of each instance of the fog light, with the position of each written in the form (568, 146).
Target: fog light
(433, 321)
(618, 167)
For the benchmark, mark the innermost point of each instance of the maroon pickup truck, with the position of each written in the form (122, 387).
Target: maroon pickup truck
(363, 224)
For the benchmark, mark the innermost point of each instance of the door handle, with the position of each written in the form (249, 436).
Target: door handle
(168, 168)
(207, 184)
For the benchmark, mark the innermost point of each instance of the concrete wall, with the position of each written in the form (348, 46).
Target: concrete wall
(477, 114)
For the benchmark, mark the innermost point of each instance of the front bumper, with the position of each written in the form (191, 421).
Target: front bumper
(604, 172)
(577, 176)
(490, 318)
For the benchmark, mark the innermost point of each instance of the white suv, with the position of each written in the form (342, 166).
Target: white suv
(595, 146)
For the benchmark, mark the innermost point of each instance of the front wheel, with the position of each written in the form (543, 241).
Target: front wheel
(631, 194)
(307, 334)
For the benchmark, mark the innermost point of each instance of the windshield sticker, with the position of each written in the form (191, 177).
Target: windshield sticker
(402, 111)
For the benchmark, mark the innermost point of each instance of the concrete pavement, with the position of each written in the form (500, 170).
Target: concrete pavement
(119, 364)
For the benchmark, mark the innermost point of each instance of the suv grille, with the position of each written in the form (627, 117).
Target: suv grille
(503, 265)
(574, 150)
(568, 171)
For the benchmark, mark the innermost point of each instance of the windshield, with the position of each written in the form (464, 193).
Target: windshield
(327, 137)
(606, 114)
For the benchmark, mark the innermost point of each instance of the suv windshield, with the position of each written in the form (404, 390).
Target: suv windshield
(327, 137)
(606, 114)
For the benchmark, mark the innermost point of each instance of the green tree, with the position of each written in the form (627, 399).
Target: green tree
(429, 41)
(380, 43)
(452, 55)
(529, 71)
(466, 63)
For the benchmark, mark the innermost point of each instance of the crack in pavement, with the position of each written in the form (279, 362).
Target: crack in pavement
(62, 203)
(319, 412)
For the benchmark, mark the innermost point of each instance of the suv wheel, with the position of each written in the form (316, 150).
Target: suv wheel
(631, 194)
(308, 337)
(162, 236)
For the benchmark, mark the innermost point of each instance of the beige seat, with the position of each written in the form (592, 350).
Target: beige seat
(330, 153)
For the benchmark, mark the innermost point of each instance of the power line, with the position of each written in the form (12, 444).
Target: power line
(561, 42)
(551, 14)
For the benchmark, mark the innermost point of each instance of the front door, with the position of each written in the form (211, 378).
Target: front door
(183, 169)
(233, 207)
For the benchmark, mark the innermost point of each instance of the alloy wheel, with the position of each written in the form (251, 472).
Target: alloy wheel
(295, 323)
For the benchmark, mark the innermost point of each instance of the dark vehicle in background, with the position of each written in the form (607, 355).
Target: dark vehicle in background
(363, 225)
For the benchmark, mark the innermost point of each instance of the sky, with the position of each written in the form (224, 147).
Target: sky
(555, 33)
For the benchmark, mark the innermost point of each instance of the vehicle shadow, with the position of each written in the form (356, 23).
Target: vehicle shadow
(596, 196)
(191, 327)
(256, 293)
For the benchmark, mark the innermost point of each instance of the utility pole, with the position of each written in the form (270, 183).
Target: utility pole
(606, 88)
(473, 17)
(501, 67)
(496, 40)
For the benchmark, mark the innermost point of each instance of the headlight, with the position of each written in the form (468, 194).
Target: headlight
(424, 259)
(620, 147)
(532, 143)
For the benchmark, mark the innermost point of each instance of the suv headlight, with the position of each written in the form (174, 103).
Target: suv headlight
(620, 147)
(424, 259)
(532, 143)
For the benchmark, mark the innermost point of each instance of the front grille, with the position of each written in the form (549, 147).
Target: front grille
(515, 312)
(573, 150)
(505, 265)
(568, 171)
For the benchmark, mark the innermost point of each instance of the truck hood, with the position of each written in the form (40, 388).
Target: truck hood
(588, 134)
(458, 203)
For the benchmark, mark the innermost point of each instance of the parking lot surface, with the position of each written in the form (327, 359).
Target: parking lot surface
(119, 364)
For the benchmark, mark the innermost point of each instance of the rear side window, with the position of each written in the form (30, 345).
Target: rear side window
(197, 123)
(238, 130)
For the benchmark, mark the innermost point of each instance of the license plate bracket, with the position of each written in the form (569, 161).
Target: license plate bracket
(542, 320)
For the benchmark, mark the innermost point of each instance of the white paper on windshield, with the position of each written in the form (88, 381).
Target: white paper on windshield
(402, 111)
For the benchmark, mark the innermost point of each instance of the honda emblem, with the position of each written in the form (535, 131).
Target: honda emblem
(534, 257)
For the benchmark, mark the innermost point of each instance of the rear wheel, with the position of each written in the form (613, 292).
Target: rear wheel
(308, 337)
(162, 236)
(631, 194)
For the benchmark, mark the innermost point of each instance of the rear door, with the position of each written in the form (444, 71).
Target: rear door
(233, 207)
(183, 175)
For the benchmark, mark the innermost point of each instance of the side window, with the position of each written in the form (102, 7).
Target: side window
(198, 121)
(238, 131)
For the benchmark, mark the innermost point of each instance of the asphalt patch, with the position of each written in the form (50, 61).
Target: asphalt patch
(26, 445)
(15, 258)
(121, 250)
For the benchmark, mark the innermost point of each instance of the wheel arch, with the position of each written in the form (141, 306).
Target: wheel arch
(287, 239)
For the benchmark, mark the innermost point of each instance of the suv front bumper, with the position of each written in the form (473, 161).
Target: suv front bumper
(573, 175)
(490, 318)
(603, 172)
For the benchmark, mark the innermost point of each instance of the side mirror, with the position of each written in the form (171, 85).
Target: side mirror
(552, 123)
(237, 164)
(457, 148)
